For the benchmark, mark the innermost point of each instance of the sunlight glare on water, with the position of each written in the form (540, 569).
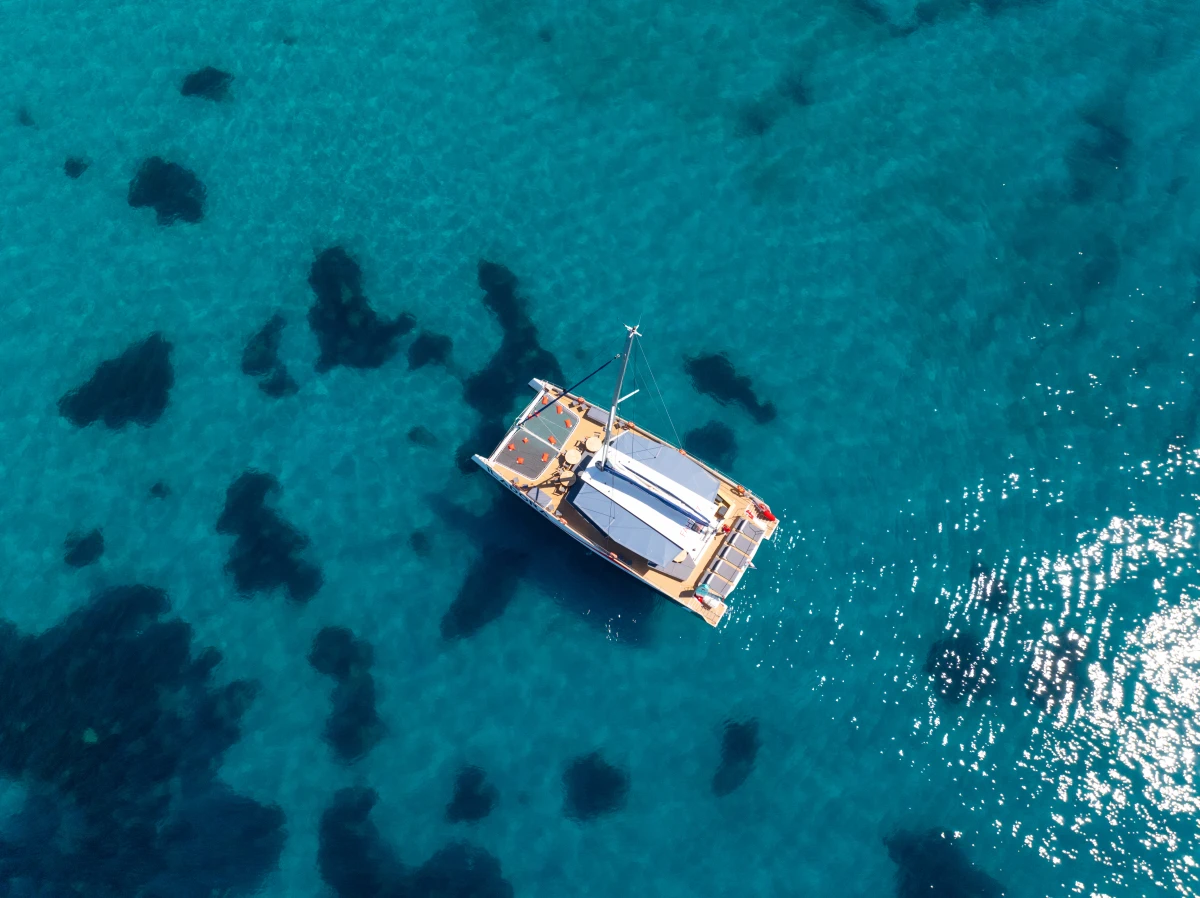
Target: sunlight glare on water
(1104, 641)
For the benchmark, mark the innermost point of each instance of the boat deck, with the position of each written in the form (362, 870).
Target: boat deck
(536, 459)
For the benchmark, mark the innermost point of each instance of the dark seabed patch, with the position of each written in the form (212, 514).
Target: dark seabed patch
(989, 591)
(959, 667)
(337, 653)
(279, 384)
(1101, 265)
(474, 797)
(133, 387)
(1095, 160)
(485, 593)
(74, 167)
(353, 727)
(592, 787)
(1053, 679)
(260, 359)
(714, 443)
(497, 386)
(876, 14)
(460, 870)
(614, 604)
(261, 353)
(931, 12)
(208, 83)
(264, 555)
(793, 87)
(715, 376)
(932, 865)
(119, 732)
(420, 542)
(82, 549)
(422, 436)
(429, 349)
(349, 332)
(870, 11)
(755, 118)
(352, 858)
(159, 490)
(996, 7)
(739, 748)
(172, 191)
(355, 862)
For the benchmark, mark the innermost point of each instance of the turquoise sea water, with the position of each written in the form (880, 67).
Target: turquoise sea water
(954, 243)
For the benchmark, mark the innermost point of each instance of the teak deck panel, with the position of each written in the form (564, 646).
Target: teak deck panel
(552, 480)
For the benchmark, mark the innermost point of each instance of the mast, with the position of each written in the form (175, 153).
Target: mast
(612, 412)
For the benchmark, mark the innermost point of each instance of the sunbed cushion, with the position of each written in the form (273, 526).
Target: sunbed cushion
(726, 570)
(753, 532)
(734, 557)
(742, 542)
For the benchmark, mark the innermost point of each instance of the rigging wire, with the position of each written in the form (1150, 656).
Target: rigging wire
(546, 405)
(661, 401)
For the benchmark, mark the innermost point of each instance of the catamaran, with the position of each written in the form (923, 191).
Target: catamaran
(635, 499)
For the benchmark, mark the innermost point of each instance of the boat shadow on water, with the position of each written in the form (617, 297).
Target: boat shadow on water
(515, 547)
